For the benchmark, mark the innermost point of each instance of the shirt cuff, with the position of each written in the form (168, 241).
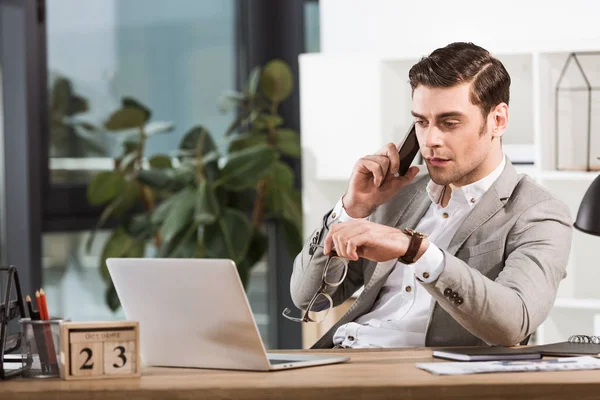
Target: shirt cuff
(430, 265)
(339, 215)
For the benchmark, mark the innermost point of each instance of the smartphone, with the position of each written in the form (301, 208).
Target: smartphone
(408, 150)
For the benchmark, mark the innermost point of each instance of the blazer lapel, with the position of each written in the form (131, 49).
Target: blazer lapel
(492, 201)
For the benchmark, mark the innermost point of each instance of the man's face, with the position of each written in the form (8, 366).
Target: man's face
(454, 137)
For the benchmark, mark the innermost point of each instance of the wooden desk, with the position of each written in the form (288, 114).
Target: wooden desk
(370, 375)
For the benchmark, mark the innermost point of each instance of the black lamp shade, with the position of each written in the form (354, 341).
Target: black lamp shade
(588, 216)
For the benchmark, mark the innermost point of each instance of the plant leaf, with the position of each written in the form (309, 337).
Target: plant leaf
(286, 203)
(292, 237)
(166, 179)
(112, 299)
(288, 141)
(78, 105)
(190, 143)
(180, 214)
(119, 206)
(245, 168)
(119, 244)
(253, 80)
(229, 237)
(155, 178)
(258, 247)
(139, 226)
(125, 118)
(246, 140)
(266, 121)
(104, 187)
(155, 128)
(207, 204)
(128, 160)
(229, 100)
(160, 161)
(281, 177)
(133, 103)
(185, 245)
(277, 81)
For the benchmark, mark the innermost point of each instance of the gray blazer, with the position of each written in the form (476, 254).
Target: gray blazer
(504, 264)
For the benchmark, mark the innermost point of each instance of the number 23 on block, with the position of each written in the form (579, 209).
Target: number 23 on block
(100, 350)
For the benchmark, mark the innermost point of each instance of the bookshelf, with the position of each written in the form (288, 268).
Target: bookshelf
(354, 102)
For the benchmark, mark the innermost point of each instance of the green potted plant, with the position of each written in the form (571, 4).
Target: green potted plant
(201, 202)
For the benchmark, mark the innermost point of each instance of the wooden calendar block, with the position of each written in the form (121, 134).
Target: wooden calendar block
(86, 359)
(119, 357)
(96, 350)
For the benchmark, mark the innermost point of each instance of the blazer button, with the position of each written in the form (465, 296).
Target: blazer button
(454, 296)
(408, 289)
(458, 300)
(351, 338)
(333, 215)
(447, 292)
(425, 275)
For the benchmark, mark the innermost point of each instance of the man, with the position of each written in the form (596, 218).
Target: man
(496, 244)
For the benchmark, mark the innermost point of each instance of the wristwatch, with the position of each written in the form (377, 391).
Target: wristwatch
(413, 246)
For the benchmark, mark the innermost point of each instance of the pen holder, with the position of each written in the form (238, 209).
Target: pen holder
(41, 347)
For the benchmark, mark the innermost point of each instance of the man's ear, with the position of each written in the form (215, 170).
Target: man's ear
(499, 119)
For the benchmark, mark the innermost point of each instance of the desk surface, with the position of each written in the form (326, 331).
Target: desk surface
(370, 374)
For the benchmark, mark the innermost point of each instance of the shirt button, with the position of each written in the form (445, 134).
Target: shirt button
(458, 301)
(408, 289)
(473, 200)
(333, 215)
(447, 292)
(350, 338)
(454, 295)
(425, 275)
(445, 215)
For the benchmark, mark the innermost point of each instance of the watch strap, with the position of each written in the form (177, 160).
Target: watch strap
(414, 245)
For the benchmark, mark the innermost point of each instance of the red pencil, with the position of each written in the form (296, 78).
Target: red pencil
(44, 304)
(39, 304)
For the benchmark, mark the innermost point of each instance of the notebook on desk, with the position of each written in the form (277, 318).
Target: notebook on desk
(493, 353)
(577, 345)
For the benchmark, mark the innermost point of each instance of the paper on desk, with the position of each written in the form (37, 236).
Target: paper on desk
(558, 364)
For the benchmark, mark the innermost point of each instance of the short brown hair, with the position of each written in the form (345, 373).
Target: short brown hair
(460, 63)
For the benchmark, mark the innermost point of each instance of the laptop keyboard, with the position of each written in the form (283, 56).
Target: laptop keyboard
(275, 361)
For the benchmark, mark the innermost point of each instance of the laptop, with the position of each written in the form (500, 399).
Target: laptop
(194, 313)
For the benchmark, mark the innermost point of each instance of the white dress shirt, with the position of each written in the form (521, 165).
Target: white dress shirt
(400, 315)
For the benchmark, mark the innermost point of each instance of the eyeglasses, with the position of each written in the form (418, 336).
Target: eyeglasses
(334, 274)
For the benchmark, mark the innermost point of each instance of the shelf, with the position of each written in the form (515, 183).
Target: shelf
(578, 304)
(569, 175)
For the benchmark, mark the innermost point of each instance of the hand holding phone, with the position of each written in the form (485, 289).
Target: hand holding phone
(377, 178)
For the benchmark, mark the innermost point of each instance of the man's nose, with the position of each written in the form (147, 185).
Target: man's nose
(433, 137)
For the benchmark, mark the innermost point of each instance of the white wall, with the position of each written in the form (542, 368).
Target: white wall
(390, 26)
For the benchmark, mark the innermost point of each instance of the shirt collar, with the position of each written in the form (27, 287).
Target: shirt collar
(470, 193)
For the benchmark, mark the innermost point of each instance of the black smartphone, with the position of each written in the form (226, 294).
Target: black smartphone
(408, 150)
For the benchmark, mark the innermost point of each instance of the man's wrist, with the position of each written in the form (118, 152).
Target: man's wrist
(356, 210)
(422, 249)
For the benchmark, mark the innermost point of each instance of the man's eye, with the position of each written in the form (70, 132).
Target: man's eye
(421, 123)
(451, 124)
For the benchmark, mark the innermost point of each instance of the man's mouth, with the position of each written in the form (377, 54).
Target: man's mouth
(437, 161)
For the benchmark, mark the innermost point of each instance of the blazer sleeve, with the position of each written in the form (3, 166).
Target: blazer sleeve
(308, 271)
(506, 310)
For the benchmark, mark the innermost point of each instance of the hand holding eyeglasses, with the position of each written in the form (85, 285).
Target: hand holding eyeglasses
(365, 239)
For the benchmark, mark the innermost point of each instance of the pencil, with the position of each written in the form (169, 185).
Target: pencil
(44, 304)
(39, 304)
(34, 315)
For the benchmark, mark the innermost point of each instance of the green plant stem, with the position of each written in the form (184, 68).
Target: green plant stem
(258, 211)
(141, 145)
(199, 165)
